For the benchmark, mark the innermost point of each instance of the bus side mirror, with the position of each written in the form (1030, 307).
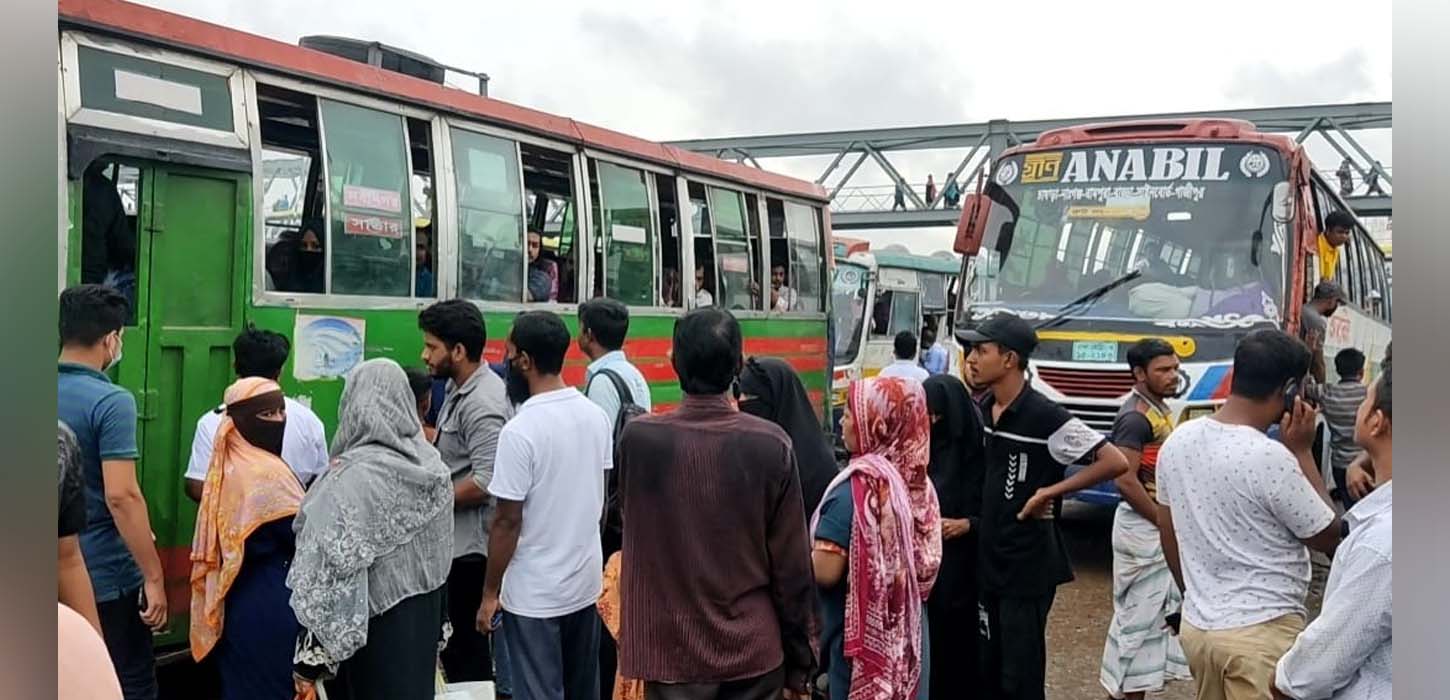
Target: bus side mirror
(972, 224)
(1283, 203)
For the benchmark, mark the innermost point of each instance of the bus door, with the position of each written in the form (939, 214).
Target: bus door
(186, 282)
(896, 308)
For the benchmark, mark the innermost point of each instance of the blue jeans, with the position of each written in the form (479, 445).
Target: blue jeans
(501, 671)
(554, 658)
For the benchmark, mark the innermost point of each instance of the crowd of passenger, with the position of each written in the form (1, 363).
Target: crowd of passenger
(576, 542)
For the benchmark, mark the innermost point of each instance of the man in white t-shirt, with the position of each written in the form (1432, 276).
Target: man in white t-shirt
(259, 353)
(545, 569)
(1236, 510)
(905, 366)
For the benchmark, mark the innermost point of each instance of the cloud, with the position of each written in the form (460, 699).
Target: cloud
(1344, 79)
(726, 82)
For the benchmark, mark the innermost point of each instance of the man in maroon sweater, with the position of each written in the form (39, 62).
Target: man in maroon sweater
(717, 597)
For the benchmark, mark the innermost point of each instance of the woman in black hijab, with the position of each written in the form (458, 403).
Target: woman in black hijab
(770, 389)
(958, 472)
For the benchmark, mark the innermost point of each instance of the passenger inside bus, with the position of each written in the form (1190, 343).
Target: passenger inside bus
(670, 287)
(296, 263)
(108, 235)
(703, 297)
(427, 283)
(543, 272)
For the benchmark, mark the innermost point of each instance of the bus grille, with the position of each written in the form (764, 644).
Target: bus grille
(1099, 418)
(1088, 383)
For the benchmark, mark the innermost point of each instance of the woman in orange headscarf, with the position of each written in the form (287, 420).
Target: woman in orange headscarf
(878, 546)
(243, 548)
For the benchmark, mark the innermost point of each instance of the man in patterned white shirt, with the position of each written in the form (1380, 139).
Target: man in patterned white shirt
(1235, 512)
(1345, 654)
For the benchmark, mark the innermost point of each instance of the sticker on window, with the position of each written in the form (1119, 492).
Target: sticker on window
(622, 233)
(381, 227)
(359, 197)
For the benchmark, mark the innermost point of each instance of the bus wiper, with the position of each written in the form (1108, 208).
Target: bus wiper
(1086, 301)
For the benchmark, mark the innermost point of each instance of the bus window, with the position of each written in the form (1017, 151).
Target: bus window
(490, 217)
(110, 202)
(294, 202)
(553, 239)
(895, 311)
(803, 231)
(703, 237)
(625, 225)
(732, 250)
(425, 244)
(369, 193)
(671, 283)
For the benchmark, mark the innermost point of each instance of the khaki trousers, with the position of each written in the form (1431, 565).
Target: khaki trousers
(1238, 664)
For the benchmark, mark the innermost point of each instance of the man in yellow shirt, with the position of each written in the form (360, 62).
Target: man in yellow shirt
(1337, 228)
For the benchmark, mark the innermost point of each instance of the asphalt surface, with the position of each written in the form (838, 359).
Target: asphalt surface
(1075, 630)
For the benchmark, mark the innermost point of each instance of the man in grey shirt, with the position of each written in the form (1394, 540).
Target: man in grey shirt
(1314, 324)
(474, 411)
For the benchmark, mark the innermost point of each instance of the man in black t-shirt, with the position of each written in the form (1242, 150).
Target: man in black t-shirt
(1030, 440)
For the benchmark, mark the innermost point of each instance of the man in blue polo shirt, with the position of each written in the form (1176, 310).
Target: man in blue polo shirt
(117, 543)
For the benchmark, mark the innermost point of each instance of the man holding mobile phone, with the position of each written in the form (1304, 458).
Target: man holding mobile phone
(1237, 512)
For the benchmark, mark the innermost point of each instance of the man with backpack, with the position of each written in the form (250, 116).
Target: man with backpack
(619, 388)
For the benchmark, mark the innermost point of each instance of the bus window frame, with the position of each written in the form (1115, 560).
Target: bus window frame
(826, 252)
(243, 102)
(328, 300)
(652, 198)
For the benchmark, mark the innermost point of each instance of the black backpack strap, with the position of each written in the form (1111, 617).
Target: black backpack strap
(625, 395)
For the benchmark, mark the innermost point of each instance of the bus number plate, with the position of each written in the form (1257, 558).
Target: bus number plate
(1094, 351)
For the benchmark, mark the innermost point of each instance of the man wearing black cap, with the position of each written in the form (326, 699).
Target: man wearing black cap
(1314, 324)
(1030, 440)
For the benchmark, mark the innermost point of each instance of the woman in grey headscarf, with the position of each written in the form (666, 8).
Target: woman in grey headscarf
(374, 543)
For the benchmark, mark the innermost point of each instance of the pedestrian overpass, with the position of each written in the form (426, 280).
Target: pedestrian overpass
(871, 206)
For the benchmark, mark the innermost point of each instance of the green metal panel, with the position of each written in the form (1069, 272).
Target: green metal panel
(194, 235)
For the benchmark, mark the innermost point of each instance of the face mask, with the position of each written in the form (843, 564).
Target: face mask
(116, 358)
(261, 433)
(516, 385)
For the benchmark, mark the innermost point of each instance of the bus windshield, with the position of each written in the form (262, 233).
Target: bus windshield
(1194, 219)
(848, 308)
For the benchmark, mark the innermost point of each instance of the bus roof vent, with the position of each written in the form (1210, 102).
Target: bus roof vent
(389, 58)
(1147, 129)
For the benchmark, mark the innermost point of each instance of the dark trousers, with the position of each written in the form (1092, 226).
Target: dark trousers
(1014, 646)
(466, 658)
(953, 634)
(608, 665)
(766, 687)
(129, 642)
(554, 658)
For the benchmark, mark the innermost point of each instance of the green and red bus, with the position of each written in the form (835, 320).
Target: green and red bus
(1196, 231)
(330, 199)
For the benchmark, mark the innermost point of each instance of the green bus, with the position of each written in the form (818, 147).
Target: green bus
(222, 179)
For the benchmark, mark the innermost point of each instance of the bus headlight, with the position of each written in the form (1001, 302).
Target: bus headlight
(1192, 412)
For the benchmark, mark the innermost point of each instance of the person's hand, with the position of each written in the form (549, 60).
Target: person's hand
(1038, 507)
(155, 613)
(304, 689)
(1296, 430)
(1357, 480)
(487, 611)
(952, 528)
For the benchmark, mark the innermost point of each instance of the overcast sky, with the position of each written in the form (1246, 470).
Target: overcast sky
(679, 70)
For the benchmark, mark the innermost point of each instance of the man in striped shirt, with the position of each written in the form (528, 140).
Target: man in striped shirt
(1338, 403)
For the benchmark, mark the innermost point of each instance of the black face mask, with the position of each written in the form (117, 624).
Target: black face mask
(309, 262)
(263, 434)
(516, 385)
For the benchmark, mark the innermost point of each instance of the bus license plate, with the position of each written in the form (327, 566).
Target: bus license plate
(1094, 351)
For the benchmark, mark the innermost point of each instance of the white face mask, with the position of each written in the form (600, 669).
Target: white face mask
(115, 359)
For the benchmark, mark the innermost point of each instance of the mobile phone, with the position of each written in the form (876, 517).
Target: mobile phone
(1291, 392)
(497, 621)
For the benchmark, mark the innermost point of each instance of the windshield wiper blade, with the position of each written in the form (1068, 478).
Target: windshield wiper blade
(1086, 301)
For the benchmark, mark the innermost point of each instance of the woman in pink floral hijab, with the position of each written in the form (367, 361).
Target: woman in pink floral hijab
(878, 546)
